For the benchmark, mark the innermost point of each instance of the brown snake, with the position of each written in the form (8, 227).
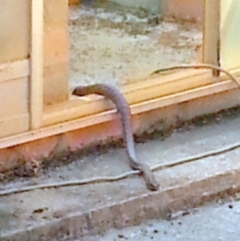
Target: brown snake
(122, 106)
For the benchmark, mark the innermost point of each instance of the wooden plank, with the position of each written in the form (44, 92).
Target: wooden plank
(14, 125)
(183, 96)
(102, 117)
(74, 109)
(136, 92)
(36, 87)
(161, 78)
(14, 98)
(156, 87)
(143, 91)
(55, 52)
(14, 30)
(161, 88)
(14, 106)
(14, 70)
(211, 33)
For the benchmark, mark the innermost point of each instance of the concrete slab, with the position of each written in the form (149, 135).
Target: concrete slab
(210, 223)
(76, 211)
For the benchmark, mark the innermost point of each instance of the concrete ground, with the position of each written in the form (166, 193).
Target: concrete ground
(214, 222)
(40, 207)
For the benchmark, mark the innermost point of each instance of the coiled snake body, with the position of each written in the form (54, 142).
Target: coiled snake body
(121, 104)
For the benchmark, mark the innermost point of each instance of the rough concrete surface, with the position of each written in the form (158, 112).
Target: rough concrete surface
(180, 186)
(215, 222)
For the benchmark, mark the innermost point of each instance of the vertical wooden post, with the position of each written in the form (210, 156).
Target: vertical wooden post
(36, 59)
(211, 33)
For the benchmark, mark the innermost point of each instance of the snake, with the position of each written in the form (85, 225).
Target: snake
(112, 93)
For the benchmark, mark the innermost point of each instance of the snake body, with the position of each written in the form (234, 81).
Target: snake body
(112, 93)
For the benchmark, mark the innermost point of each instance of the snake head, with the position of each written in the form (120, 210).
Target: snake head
(79, 91)
(153, 186)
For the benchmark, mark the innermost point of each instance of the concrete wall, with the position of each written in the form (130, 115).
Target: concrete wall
(184, 9)
(179, 9)
(153, 6)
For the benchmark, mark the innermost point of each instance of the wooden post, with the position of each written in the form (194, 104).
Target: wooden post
(211, 33)
(36, 59)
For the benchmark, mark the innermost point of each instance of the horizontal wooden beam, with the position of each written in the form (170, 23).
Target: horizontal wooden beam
(107, 115)
(135, 93)
(14, 70)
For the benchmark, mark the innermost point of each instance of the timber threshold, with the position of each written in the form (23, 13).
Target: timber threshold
(151, 94)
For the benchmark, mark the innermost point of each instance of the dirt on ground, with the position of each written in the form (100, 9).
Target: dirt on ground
(119, 45)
